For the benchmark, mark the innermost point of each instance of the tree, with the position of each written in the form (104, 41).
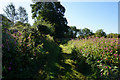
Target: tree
(52, 12)
(73, 31)
(80, 33)
(112, 35)
(100, 33)
(22, 14)
(11, 12)
(86, 32)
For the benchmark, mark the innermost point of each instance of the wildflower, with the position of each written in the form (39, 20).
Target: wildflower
(14, 36)
(9, 68)
(118, 42)
(35, 54)
(94, 40)
(103, 52)
(81, 50)
(115, 54)
(20, 41)
(106, 67)
(5, 29)
(119, 55)
(28, 45)
(101, 74)
(15, 42)
(110, 51)
(115, 47)
(20, 34)
(98, 61)
(29, 37)
(109, 67)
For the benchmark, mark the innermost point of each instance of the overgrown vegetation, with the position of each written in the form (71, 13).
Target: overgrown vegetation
(47, 51)
(101, 54)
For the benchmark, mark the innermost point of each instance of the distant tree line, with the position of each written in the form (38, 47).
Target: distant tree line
(73, 32)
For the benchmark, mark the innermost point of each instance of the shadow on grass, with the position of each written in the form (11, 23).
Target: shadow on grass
(52, 62)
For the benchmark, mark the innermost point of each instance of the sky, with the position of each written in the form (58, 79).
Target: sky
(92, 15)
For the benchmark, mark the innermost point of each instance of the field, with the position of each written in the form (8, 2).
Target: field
(39, 57)
(102, 54)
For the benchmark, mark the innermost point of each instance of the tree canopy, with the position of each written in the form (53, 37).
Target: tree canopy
(100, 33)
(11, 12)
(16, 15)
(23, 16)
(86, 32)
(52, 12)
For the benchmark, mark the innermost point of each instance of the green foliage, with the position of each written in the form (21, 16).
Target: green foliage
(6, 23)
(86, 32)
(32, 52)
(81, 33)
(100, 33)
(23, 16)
(112, 35)
(21, 23)
(44, 27)
(52, 12)
(29, 54)
(72, 32)
(17, 54)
